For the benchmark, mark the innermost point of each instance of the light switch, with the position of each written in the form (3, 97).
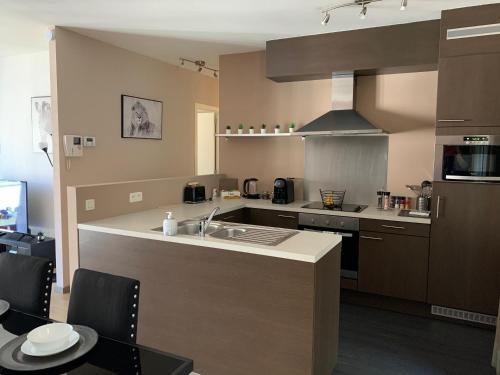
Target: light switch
(90, 204)
(135, 197)
(88, 141)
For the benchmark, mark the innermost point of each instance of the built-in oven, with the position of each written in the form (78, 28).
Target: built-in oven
(347, 227)
(467, 158)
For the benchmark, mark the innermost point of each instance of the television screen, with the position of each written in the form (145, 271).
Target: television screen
(13, 206)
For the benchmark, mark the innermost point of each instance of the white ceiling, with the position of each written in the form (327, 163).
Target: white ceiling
(196, 29)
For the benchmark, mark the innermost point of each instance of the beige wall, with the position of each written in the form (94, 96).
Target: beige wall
(247, 97)
(88, 78)
(23, 77)
(404, 104)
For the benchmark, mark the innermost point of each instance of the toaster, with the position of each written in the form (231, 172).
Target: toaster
(194, 194)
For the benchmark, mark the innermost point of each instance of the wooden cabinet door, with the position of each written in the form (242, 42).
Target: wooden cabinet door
(464, 263)
(273, 218)
(393, 265)
(236, 216)
(469, 91)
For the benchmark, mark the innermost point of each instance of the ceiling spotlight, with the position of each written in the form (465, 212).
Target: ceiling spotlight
(363, 12)
(215, 74)
(404, 4)
(325, 19)
(182, 62)
(200, 69)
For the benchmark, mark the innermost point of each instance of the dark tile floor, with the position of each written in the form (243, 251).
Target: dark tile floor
(381, 342)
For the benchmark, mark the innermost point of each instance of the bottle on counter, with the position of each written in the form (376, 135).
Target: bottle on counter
(408, 203)
(387, 200)
(380, 199)
(169, 225)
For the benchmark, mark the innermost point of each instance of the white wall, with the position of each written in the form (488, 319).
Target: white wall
(23, 77)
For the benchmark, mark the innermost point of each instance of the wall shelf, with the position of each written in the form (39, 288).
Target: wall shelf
(246, 135)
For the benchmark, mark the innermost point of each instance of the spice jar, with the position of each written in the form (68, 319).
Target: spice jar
(380, 199)
(387, 200)
(408, 203)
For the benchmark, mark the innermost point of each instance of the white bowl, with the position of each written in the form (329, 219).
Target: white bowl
(50, 336)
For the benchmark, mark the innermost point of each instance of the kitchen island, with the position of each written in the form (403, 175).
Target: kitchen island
(235, 308)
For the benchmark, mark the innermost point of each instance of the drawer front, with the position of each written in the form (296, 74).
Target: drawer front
(395, 227)
(273, 218)
(236, 216)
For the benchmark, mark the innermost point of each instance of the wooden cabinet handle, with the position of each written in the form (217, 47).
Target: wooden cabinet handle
(393, 227)
(371, 238)
(438, 203)
(454, 120)
(287, 216)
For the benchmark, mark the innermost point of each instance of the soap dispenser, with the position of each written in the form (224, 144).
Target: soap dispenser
(169, 225)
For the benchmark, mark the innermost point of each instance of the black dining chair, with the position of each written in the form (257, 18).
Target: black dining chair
(107, 303)
(26, 283)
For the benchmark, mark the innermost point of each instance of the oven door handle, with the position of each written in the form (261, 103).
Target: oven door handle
(347, 235)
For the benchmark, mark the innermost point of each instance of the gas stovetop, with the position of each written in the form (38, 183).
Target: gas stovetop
(344, 208)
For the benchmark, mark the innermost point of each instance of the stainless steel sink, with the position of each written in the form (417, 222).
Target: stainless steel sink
(254, 235)
(228, 233)
(192, 228)
(238, 233)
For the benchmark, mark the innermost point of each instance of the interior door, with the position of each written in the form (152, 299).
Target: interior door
(464, 262)
(205, 143)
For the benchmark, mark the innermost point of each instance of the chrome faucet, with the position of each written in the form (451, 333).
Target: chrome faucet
(206, 221)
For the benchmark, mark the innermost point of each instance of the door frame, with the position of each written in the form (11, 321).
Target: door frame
(198, 107)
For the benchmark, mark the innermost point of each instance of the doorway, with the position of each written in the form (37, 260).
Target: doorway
(206, 142)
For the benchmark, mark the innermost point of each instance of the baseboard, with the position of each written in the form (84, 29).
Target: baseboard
(402, 306)
(58, 289)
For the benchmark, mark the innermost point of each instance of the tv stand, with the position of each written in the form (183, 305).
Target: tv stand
(26, 244)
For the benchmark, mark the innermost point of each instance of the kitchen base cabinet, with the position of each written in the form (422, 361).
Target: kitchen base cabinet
(257, 216)
(273, 218)
(236, 216)
(393, 265)
(464, 264)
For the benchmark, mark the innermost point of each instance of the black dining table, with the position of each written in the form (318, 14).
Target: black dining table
(107, 357)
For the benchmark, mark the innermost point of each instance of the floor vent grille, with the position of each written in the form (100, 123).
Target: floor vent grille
(464, 315)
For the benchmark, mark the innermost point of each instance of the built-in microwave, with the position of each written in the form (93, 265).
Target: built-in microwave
(467, 158)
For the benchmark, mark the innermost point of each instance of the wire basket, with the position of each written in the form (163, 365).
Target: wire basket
(332, 199)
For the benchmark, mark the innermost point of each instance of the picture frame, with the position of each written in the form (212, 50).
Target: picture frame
(41, 123)
(141, 118)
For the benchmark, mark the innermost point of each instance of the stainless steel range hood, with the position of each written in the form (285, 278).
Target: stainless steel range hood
(342, 120)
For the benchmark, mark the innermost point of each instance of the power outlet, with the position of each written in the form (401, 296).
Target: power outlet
(135, 197)
(90, 204)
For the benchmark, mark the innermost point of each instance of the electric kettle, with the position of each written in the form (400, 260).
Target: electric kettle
(250, 188)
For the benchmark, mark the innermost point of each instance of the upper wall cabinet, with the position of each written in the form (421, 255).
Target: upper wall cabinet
(468, 31)
(469, 68)
(469, 91)
(397, 48)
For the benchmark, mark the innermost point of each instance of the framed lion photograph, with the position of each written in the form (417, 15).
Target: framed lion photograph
(141, 118)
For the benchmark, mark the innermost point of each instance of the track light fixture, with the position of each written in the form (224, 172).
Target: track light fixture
(328, 11)
(325, 19)
(200, 65)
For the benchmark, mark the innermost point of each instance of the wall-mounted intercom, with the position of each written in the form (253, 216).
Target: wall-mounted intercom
(73, 146)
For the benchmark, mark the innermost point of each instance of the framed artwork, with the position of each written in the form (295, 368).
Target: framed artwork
(141, 118)
(41, 123)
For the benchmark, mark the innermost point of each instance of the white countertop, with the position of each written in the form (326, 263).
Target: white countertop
(305, 246)
(370, 212)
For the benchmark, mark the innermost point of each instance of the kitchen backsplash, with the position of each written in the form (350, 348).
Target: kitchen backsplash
(356, 164)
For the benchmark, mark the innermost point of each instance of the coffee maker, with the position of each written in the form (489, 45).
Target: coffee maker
(283, 191)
